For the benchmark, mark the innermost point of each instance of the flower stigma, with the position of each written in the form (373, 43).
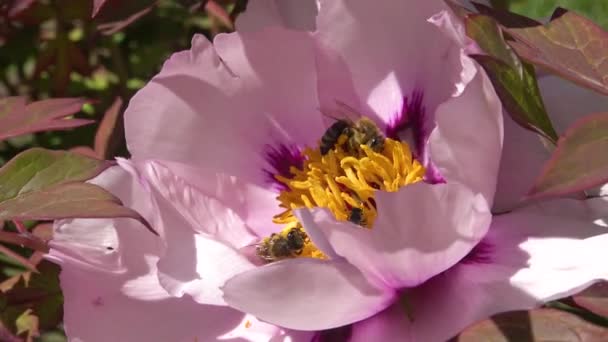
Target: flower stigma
(342, 174)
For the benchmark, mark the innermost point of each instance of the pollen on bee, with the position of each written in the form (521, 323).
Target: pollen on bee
(248, 324)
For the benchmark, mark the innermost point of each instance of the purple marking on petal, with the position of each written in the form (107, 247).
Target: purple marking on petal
(413, 115)
(280, 159)
(480, 254)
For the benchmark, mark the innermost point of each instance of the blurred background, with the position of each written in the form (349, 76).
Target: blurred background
(54, 48)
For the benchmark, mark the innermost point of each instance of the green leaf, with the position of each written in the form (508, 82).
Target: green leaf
(571, 46)
(519, 95)
(504, 17)
(486, 33)
(39, 184)
(535, 325)
(28, 324)
(592, 9)
(580, 160)
(594, 298)
(37, 169)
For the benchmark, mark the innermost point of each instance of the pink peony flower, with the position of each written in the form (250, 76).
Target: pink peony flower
(272, 228)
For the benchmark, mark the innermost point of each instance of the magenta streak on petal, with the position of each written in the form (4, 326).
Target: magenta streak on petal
(280, 160)
(413, 115)
(480, 254)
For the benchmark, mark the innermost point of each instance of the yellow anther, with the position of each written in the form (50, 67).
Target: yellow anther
(342, 180)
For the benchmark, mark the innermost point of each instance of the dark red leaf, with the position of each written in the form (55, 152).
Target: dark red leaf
(571, 46)
(17, 117)
(110, 132)
(70, 200)
(535, 325)
(594, 298)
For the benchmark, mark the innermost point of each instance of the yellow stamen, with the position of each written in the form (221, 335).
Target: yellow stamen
(342, 181)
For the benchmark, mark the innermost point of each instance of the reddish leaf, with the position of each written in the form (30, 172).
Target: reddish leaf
(70, 200)
(25, 240)
(97, 6)
(18, 7)
(118, 10)
(571, 46)
(594, 298)
(17, 118)
(111, 27)
(579, 162)
(534, 325)
(110, 132)
(19, 258)
(218, 12)
(37, 169)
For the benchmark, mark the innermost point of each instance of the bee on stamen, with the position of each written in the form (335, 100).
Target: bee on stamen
(278, 247)
(356, 216)
(363, 131)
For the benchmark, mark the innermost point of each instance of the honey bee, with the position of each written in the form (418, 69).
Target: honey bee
(278, 247)
(361, 131)
(333, 133)
(356, 216)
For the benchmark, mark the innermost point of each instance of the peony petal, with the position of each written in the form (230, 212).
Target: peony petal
(96, 242)
(203, 213)
(264, 80)
(253, 204)
(306, 294)
(467, 142)
(532, 256)
(566, 102)
(522, 159)
(390, 45)
(95, 309)
(297, 15)
(420, 231)
(122, 300)
(195, 263)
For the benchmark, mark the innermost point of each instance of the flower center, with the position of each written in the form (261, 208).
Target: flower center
(352, 162)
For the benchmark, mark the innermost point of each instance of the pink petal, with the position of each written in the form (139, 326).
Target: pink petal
(94, 242)
(214, 95)
(97, 310)
(306, 294)
(566, 102)
(204, 214)
(533, 256)
(389, 45)
(293, 14)
(420, 231)
(255, 205)
(195, 262)
(521, 162)
(114, 294)
(467, 142)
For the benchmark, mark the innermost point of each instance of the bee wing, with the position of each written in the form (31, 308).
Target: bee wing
(347, 111)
